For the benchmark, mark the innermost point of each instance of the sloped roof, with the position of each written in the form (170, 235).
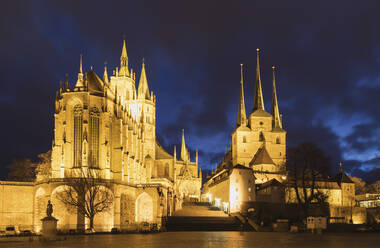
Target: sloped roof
(261, 157)
(341, 177)
(271, 183)
(261, 113)
(94, 82)
(161, 153)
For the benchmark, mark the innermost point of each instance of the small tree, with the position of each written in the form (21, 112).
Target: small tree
(307, 165)
(43, 166)
(88, 193)
(21, 170)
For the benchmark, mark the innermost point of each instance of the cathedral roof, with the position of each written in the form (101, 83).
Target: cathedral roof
(261, 157)
(94, 82)
(161, 153)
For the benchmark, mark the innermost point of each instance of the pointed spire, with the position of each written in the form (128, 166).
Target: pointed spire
(105, 75)
(80, 74)
(80, 64)
(275, 112)
(175, 153)
(196, 157)
(124, 61)
(258, 101)
(143, 90)
(241, 118)
(66, 80)
(184, 155)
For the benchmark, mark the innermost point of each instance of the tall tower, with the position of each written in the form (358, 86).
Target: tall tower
(259, 142)
(123, 80)
(145, 104)
(240, 151)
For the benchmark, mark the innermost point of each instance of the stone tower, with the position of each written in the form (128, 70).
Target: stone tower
(259, 141)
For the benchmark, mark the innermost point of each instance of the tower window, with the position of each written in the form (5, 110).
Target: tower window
(278, 140)
(244, 139)
(78, 132)
(261, 137)
(94, 138)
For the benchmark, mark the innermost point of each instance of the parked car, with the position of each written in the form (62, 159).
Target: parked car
(145, 227)
(10, 231)
(89, 231)
(26, 233)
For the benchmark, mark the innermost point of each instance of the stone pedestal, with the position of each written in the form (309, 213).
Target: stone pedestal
(49, 227)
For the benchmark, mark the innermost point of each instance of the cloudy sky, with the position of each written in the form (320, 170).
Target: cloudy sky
(327, 54)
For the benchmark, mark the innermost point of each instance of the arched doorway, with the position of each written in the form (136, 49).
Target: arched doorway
(144, 208)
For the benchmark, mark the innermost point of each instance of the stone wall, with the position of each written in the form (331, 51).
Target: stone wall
(16, 205)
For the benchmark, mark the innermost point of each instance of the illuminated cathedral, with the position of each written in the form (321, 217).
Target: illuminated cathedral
(107, 126)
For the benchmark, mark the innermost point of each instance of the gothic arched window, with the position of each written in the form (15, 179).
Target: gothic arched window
(78, 132)
(261, 137)
(278, 140)
(244, 139)
(94, 138)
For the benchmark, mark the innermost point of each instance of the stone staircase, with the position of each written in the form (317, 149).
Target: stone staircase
(200, 217)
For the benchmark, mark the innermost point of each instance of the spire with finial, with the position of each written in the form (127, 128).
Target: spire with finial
(80, 73)
(340, 167)
(143, 90)
(258, 101)
(277, 123)
(66, 80)
(241, 118)
(124, 71)
(105, 75)
(184, 155)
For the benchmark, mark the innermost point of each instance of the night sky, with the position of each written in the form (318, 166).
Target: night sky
(327, 55)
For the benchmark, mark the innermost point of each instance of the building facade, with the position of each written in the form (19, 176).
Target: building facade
(107, 126)
(258, 144)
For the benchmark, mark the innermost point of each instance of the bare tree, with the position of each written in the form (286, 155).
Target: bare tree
(307, 165)
(21, 170)
(86, 192)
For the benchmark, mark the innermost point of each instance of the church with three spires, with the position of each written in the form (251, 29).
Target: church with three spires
(258, 150)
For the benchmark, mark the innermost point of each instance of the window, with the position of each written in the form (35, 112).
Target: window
(244, 139)
(94, 138)
(278, 140)
(261, 137)
(78, 132)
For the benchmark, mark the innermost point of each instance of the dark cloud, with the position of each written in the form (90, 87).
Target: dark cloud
(327, 59)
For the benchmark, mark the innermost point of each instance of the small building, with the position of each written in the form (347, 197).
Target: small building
(230, 188)
(271, 191)
(368, 200)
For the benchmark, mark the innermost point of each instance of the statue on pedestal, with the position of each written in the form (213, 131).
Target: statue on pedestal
(49, 209)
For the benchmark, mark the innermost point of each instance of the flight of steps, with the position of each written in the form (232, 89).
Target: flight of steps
(200, 217)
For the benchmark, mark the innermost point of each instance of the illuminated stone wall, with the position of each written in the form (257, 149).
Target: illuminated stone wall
(229, 191)
(16, 205)
(106, 125)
